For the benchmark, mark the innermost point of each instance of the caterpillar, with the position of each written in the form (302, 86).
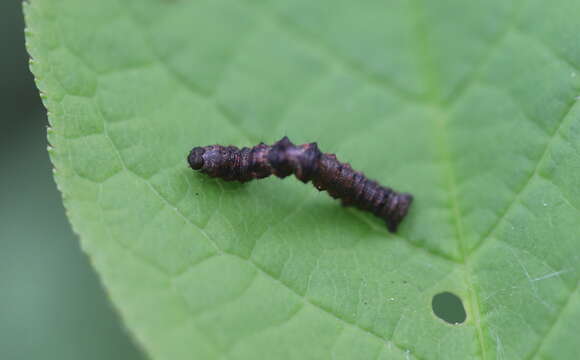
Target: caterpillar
(307, 163)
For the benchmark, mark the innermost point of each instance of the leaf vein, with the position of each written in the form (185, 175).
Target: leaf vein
(525, 184)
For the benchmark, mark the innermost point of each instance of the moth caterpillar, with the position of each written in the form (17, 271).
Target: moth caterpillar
(307, 163)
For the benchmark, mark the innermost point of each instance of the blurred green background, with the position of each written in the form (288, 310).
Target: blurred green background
(52, 305)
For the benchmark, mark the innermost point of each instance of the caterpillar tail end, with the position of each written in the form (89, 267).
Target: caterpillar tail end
(404, 202)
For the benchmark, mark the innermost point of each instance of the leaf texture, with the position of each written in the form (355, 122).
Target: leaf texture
(470, 106)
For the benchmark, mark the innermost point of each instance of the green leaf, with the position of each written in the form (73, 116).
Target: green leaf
(471, 106)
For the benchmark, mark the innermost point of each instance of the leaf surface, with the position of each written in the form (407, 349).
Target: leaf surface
(470, 106)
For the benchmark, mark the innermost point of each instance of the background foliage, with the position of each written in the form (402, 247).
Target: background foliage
(51, 304)
(472, 106)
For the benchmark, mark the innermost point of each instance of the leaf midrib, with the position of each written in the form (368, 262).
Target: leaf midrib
(441, 124)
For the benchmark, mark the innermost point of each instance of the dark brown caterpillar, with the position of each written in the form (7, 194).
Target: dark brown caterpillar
(307, 163)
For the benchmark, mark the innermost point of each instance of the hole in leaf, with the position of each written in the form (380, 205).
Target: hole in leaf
(449, 308)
